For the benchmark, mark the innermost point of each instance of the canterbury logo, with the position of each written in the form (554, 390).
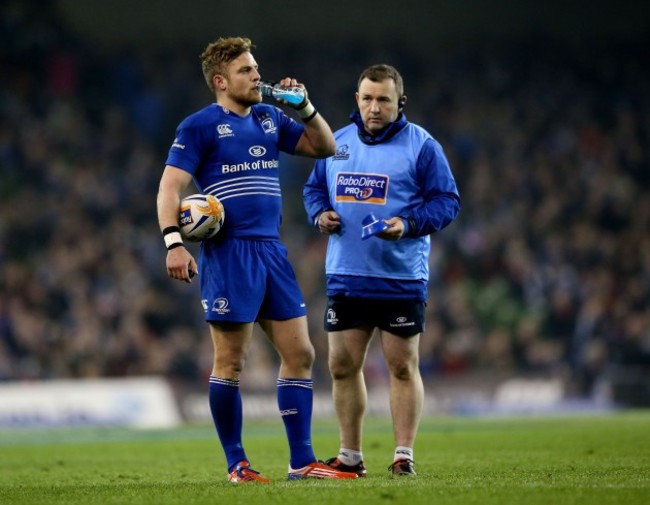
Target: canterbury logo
(224, 129)
(288, 412)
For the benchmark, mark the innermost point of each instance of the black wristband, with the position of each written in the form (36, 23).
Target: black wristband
(174, 245)
(310, 117)
(170, 229)
(307, 112)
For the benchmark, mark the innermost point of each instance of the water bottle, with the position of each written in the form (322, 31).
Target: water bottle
(292, 94)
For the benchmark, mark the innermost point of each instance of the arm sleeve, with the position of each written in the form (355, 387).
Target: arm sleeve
(315, 194)
(290, 132)
(441, 198)
(187, 148)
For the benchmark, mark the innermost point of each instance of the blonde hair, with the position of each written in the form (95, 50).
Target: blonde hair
(219, 53)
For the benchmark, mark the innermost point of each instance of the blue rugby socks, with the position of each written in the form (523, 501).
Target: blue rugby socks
(226, 409)
(295, 400)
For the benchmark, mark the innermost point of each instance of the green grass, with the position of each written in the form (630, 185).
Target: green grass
(555, 460)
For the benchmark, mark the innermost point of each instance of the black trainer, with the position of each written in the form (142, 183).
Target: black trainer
(337, 464)
(403, 468)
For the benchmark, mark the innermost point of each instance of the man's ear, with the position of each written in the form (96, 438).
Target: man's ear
(219, 82)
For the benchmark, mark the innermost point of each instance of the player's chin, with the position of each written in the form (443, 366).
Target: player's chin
(250, 100)
(255, 98)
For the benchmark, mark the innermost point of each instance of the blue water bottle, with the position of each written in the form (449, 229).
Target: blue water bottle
(292, 94)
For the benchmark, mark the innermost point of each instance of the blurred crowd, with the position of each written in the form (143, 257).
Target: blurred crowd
(545, 273)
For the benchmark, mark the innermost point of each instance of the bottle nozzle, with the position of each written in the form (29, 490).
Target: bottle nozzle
(265, 88)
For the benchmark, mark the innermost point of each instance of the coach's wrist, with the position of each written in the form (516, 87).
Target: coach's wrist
(172, 237)
(407, 226)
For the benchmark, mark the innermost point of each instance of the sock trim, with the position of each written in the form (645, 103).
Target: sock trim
(349, 456)
(402, 452)
(234, 383)
(301, 383)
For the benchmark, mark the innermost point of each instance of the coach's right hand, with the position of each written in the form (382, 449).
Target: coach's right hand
(329, 222)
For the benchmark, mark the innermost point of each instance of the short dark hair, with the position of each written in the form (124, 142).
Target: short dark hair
(381, 72)
(219, 53)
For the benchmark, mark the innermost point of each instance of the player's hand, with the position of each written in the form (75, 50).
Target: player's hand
(181, 264)
(329, 222)
(291, 82)
(396, 230)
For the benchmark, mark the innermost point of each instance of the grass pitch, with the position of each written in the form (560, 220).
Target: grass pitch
(556, 460)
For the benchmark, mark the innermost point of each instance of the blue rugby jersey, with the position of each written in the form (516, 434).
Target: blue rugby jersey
(236, 159)
(404, 173)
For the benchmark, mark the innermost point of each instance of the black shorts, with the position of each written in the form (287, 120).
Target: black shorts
(404, 318)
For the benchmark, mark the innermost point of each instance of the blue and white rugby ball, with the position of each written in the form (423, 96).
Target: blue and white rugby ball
(201, 217)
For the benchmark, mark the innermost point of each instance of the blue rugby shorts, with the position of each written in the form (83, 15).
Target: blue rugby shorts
(243, 280)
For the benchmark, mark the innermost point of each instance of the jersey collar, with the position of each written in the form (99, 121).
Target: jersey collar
(384, 135)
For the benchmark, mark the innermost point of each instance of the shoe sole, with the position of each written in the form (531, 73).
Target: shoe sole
(315, 477)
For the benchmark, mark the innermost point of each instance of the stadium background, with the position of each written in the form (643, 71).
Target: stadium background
(543, 109)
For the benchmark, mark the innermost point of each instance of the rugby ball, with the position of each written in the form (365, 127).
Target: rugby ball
(201, 217)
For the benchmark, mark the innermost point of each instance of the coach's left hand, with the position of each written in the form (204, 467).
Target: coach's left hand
(395, 231)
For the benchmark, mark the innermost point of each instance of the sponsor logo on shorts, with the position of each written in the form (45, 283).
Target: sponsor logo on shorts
(361, 188)
(401, 322)
(331, 317)
(220, 306)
